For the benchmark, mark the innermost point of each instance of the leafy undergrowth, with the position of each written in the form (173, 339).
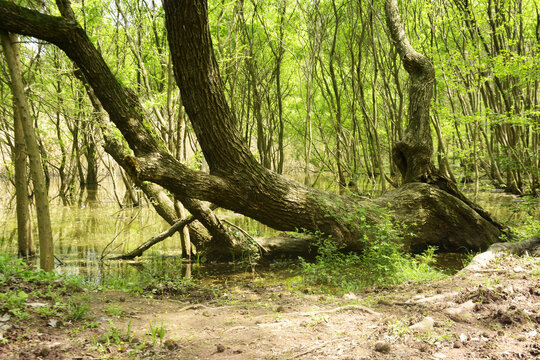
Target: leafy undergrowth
(381, 264)
(38, 309)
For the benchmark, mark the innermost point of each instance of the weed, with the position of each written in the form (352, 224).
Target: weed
(399, 327)
(47, 311)
(14, 269)
(128, 332)
(91, 325)
(15, 303)
(157, 332)
(73, 284)
(316, 320)
(467, 257)
(76, 310)
(382, 261)
(112, 336)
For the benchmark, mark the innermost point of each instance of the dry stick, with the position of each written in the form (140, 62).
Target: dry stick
(193, 307)
(235, 328)
(179, 225)
(341, 308)
(118, 234)
(330, 311)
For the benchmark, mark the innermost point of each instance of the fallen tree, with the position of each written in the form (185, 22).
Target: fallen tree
(428, 203)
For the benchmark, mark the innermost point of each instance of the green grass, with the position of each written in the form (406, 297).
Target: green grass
(113, 310)
(54, 292)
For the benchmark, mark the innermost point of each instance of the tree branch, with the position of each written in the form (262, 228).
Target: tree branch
(179, 225)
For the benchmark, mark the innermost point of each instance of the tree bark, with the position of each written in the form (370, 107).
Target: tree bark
(24, 223)
(46, 250)
(413, 152)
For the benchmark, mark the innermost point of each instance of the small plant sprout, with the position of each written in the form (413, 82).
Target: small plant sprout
(157, 332)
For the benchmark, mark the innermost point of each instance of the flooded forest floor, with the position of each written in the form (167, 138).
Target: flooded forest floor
(490, 314)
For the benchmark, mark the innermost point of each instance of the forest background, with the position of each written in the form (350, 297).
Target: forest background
(317, 89)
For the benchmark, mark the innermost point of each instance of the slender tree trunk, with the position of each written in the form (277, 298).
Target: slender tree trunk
(24, 223)
(46, 255)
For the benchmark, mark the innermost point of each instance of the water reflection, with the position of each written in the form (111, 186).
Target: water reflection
(84, 234)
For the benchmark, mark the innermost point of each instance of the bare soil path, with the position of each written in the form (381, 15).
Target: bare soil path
(493, 313)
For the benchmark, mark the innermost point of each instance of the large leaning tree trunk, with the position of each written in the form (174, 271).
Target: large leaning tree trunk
(236, 180)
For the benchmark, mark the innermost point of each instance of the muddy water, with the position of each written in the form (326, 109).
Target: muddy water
(94, 230)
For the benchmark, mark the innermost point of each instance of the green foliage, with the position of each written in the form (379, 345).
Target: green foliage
(112, 336)
(399, 327)
(76, 309)
(157, 332)
(381, 263)
(467, 258)
(48, 311)
(73, 284)
(113, 310)
(14, 302)
(14, 269)
(529, 225)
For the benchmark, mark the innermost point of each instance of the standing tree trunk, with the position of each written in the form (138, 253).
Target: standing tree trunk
(46, 251)
(413, 152)
(24, 224)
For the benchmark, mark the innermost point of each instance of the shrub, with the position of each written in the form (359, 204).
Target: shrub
(381, 263)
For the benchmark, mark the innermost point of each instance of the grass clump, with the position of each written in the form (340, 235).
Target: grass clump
(26, 291)
(14, 269)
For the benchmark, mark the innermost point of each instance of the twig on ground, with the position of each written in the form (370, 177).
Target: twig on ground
(193, 307)
(235, 328)
(314, 348)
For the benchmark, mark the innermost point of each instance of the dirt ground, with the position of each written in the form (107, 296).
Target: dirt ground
(490, 314)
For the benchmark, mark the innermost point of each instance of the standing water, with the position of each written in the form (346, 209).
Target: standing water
(95, 230)
(86, 233)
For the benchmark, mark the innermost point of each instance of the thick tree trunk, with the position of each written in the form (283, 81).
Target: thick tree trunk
(413, 153)
(236, 180)
(46, 254)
